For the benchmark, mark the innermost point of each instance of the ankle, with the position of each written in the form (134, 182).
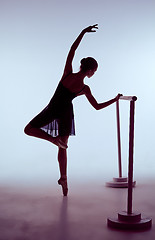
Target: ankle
(63, 177)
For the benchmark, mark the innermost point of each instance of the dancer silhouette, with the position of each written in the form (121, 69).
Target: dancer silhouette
(55, 123)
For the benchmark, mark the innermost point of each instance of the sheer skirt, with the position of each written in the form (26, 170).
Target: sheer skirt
(55, 123)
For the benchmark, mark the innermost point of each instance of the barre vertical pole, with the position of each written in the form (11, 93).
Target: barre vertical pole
(131, 149)
(118, 139)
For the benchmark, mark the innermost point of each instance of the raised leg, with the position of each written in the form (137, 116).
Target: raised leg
(39, 133)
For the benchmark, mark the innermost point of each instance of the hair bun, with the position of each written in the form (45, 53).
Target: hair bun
(83, 61)
(88, 63)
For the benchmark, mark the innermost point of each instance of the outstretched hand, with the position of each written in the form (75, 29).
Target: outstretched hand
(91, 28)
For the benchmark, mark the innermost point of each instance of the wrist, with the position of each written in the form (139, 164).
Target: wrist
(83, 31)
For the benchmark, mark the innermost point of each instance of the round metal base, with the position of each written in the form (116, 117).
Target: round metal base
(127, 221)
(121, 182)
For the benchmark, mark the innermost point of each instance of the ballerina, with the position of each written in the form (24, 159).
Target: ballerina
(55, 123)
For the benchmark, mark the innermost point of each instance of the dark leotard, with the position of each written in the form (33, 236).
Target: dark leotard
(57, 118)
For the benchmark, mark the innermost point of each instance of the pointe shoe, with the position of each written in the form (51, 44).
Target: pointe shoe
(63, 183)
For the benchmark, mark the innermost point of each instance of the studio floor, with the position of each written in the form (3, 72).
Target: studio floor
(42, 213)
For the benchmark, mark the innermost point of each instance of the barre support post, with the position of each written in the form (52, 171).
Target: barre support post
(118, 139)
(131, 149)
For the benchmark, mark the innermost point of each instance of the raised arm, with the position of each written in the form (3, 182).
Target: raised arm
(93, 101)
(68, 65)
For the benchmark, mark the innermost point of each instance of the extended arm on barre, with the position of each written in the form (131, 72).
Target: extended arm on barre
(129, 98)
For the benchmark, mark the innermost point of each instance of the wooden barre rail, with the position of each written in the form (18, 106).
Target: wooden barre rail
(129, 98)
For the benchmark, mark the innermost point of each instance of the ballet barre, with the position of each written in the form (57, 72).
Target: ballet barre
(128, 219)
(122, 182)
(129, 98)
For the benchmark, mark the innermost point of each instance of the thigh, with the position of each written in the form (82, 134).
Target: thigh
(42, 119)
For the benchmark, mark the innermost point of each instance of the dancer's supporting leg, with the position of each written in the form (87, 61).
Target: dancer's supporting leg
(37, 132)
(62, 159)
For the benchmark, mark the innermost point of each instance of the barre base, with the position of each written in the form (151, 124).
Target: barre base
(120, 182)
(132, 221)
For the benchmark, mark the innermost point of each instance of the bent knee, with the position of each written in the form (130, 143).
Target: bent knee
(27, 129)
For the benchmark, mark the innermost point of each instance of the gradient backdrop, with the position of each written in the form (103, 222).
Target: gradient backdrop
(36, 36)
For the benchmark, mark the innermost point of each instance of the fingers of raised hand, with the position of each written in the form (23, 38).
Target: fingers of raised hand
(92, 27)
(95, 26)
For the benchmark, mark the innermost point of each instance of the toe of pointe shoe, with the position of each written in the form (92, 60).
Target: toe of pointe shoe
(64, 186)
(65, 191)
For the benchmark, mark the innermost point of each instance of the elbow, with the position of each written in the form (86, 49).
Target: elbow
(97, 107)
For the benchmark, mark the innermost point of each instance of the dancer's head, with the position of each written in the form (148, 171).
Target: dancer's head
(88, 66)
